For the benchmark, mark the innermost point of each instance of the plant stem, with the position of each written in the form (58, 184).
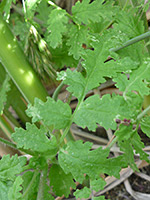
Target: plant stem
(42, 183)
(8, 143)
(57, 91)
(18, 68)
(143, 113)
(112, 143)
(14, 146)
(132, 41)
(5, 126)
(30, 184)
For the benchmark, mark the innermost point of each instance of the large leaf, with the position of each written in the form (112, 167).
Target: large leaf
(103, 111)
(78, 159)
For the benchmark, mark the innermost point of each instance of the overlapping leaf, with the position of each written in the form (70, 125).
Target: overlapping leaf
(145, 125)
(15, 191)
(102, 111)
(60, 181)
(50, 112)
(88, 162)
(6, 6)
(83, 193)
(10, 167)
(27, 178)
(30, 8)
(136, 82)
(85, 11)
(4, 188)
(77, 36)
(24, 139)
(57, 21)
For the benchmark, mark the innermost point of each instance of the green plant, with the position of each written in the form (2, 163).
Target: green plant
(55, 166)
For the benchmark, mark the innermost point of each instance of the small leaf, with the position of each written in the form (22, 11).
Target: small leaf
(83, 193)
(14, 192)
(77, 37)
(57, 21)
(97, 184)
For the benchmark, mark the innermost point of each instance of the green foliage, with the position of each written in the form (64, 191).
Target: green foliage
(57, 21)
(83, 193)
(3, 93)
(23, 139)
(145, 125)
(94, 162)
(51, 112)
(15, 190)
(53, 38)
(58, 178)
(102, 111)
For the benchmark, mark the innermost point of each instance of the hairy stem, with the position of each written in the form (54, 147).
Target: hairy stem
(42, 183)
